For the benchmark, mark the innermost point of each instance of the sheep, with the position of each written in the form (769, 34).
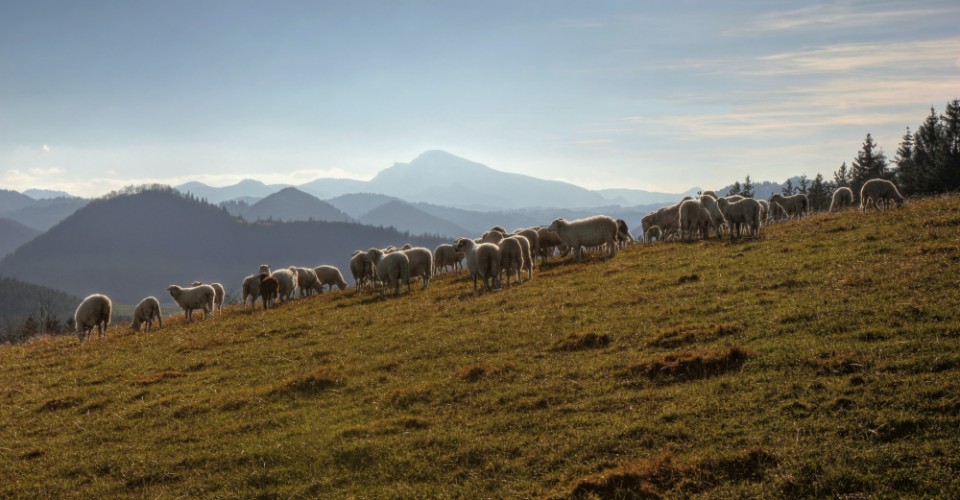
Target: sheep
(483, 261)
(533, 237)
(492, 236)
(668, 218)
(737, 213)
(733, 197)
(445, 255)
(93, 312)
(709, 193)
(596, 230)
(842, 198)
(269, 290)
(511, 258)
(146, 311)
(764, 210)
(406, 247)
(526, 246)
(879, 191)
(217, 299)
(653, 233)
(264, 269)
(623, 233)
(694, 219)
(330, 276)
(288, 283)
(797, 204)
(361, 268)
(307, 281)
(777, 212)
(250, 288)
(717, 219)
(421, 264)
(198, 297)
(392, 268)
(498, 229)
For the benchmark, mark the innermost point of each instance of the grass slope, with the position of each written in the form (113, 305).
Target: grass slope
(821, 361)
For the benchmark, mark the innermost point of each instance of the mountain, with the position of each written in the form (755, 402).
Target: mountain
(476, 222)
(632, 197)
(291, 204)
(44, 214)
(44, 194)
(246, 187)
(14, 235)
(12, 200)
(330, 188)
(444, 179)
(406, 217)
(357, 204)
(129, 246)
(21, 300)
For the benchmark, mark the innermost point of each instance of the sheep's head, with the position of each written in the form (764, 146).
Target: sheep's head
(556, 225)
(492, 237)
(174, 290)
(462, 244)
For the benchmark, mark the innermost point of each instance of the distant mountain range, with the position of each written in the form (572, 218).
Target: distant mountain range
(40, 214)
(291, 204)
(14, 235)
(45, 194)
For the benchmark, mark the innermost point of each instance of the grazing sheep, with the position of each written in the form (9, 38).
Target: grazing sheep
(879, 191)
(393, 269)
(764, 210)
(288, 283)
(623, 233)
(421, 264)
(511, 258)
(526, 246)
(492, 237)
(842, 198)
(737, 213)
(483, 261)
(217, 299)
(307, 281)
(796, 204)
(446, 256)
(694, 219)
(93, 312)
(777, 213)
(653, 233)
(592, 231)
(533, 237)
(146, 311)
(549, 242)
(198, 297)
(717, 219)
(362, 269)
(250, 288)
(330, 276)
(269, 290)
(668, 218)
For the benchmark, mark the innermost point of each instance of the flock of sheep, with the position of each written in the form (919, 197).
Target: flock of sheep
(492, 256)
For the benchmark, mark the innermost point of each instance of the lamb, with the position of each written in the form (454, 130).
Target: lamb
(653, 233)
(198, 297)
(307, 281)
(842, 198)
(146, 311)
(737, 213)
(446, 256)
(362, 269)
(511, 258)
(421, 264)
(533, 237)
(797, 204)
(217, 299)
(592, 231)
(250, 288)
(392, 268)
(330, 276)
(483, 261)
(694, 219)
(269, 290)
(93, 312)
(288, 283)
(549, 241)
(879, 191)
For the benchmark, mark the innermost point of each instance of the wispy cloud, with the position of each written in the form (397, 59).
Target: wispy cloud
(901, 57)
(848, 15)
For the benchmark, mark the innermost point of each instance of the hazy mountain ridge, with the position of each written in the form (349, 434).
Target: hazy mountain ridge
(14, 234)
(291, 204)
(21, 300)
(406, 217)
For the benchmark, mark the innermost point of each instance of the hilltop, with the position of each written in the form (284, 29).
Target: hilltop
(820, 361)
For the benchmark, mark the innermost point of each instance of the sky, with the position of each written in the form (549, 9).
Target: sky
(655, 95)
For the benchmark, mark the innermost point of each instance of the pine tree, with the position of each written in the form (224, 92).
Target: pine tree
(908, 177)
(951, 146)
(842, 176)
(870, 164)
(804, 184)
(928, 154)
(735, 189)
(747, 188)
(788, 188)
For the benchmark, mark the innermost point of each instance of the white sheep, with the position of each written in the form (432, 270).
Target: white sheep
(362, 269)
(146, 311)
(393, 269)
(764, 210)
(217, 299)
(745, 211)
(549, 243)
(198, 297)
(842, 198)
(694, 219)
(653, 233)
(421, 264)
(668, 218)
(796, 204)
(446, 256)
(330, 276)
(710, 193)
(307, 281)
(483, 261)
(93, 312)
(511, 258)
(592, 231)
(528, 256)
(250, 288)
(624, 237)
(876, 192)
(717, 220)
(533, 237)
(264, 269)
(288, 283)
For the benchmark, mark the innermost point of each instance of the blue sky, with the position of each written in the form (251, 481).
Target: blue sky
(638, 94)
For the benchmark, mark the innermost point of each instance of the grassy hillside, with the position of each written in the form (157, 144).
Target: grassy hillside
(821, 361)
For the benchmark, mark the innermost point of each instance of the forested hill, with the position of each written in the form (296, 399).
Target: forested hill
(135, 244)
(50, 309)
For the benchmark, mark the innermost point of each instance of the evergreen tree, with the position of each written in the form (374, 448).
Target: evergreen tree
(747, 188)
(735, 189)
(928, 154)
(908, 177)
(819, 194)
(842, 176)
(804, 184)
(788, 188)
(951, 146)
(871, 163)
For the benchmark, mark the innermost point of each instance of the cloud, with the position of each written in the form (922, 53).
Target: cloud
(846, 15)
(593, 142)
(46, 171)
(46, 148)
